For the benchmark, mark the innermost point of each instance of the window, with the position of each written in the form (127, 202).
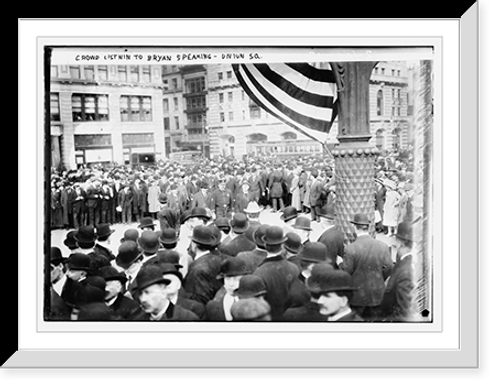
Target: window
(375, 71)
(244, 115)
(89, 107)
(380, 103)
(54, 71)
(254, 112)
(399, 94)
(222, 117)
(177, 125)
(174, 83)
(221, 98)
(136, 109)
(88, 72)
(102, 71)
(195, 85)
(392, 93)
(229, 74)
(55, 114)
(399, 111)
(379, 139)
(229, 96)
(165, 105)
(399, 73)
(382, 70)
(146, 74)
(220, 74)
(122, 73)
(231, 116)
(176, 103)
(134, 73)
(393, 72)
(75, 72)
(393, 111)
(166, 123)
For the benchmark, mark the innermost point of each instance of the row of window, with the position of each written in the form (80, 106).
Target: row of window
(255, 113)
(230, 97)
(289, 149)
(91, 107)
(126, 73)
(382, 71)
(396, 101)
(229, 75)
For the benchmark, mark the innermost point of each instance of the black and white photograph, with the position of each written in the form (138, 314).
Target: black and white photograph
(239, 184)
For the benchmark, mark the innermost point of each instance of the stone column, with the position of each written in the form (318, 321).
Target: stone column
(354, 157)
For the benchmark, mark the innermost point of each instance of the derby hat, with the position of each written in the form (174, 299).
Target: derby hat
(251, 286)
(170, 269)
(222, 222)
(163, 198)
(302, 223)
(168, 236)
(234, 266)
(216, 233)
(79, 262)
(404, 231)
(327, 212)
(146, 222)
(130, 235)
(128, 253)
(185, 215)
(104, 230)
(293, 243)
(259, 233)
(56, 256)
(149, 241)
(70, 240)
(360, 219)
(239, 223)
(111, 273)
(167, 256)
(313, 252)
(324, 278)
(251, 309)
(274, 236)
(86, 234)
(253, 208)
(150, 275)
(203, 235)
(289, 213)
(199, 212)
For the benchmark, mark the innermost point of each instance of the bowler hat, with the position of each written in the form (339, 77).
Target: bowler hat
(163, 198)
(203, 235)
(302, 223)
(70, 240)
(404, 231)
(274, 236)
(313, 252)
(86, 234)
(293, 243)
(170, 269)
(79, 262)
(239, 223)
(324, 278)
(258, 234)
(146, 222)
(93, 289)
(56, 256)
(186, 214)
(253, 208)
(150, 275)
(95, 311)
(250, 286)
(130, 235)
(168, 236)
(234, 266)
(251, 309)
(111, 273)
(216, 233)
(360, 219)
(128, 253)
(149, 241)
(289, 213)
(167, 256)
(199, 212)
(104, 230)
(327, 212)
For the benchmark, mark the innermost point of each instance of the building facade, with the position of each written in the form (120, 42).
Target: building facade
(104, 113)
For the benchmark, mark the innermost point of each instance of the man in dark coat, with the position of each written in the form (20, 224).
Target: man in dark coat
(93, 203)
(201, 283)
(101, 247)
(167, 216)
(315, 195)
(332, 237)
(255, 257)
(276, 191)
(223, 201)
(369, 263)
(278, 273)
(106, 202)
(398, 303)
(239, 242)
(76, 199)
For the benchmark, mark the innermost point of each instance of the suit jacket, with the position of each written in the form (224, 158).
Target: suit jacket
(398, 300)
(238, 244)
(93, 199)
(334, 241)
(315, 193)
(308, 312)
(77, 200)
(278, 275)
(369, 262)
(200, 282)
(125, 308)
(173, 313)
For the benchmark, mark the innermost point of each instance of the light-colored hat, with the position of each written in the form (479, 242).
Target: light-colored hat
(253, 208)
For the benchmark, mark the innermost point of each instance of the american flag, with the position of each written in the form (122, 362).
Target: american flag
(301, 95)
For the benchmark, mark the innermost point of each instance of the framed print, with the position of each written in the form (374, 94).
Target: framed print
(250, 201)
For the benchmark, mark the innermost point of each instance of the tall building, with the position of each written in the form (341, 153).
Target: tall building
(104, 113)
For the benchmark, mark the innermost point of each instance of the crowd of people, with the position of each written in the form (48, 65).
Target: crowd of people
(200, 251)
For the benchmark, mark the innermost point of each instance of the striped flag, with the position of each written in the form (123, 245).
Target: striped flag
(301, 95)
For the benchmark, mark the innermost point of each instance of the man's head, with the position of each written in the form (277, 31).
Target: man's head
(232, 270)
(171, 272)
(56, 264)
(115, 280)
(361, 222)
(404, 238)
(274, 239)
(202, 239)
(302, 227)
(152, 288)
(78, 266)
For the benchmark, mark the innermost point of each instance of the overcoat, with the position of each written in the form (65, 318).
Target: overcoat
(276, 184)
(333, 238)
(369, 262)
(200, 282)
(278, 275)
